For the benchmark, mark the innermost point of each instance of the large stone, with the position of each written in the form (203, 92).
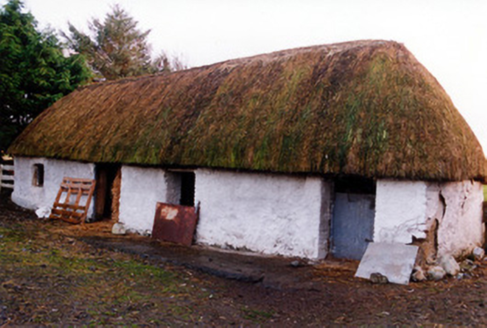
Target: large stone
(478, 253)
(450, 265)
(119, 229)
(43, 212)
(436, 273)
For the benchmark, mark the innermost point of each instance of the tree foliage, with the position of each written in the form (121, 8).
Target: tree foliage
(116, 48)
(34, 73)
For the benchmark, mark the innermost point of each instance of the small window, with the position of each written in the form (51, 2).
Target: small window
(38, 177)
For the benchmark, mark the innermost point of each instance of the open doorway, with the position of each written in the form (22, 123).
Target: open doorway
(181, 188)
(107, 194)
(352, 224)
(176, 219)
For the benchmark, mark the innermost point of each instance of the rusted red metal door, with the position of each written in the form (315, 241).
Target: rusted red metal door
(175, 223)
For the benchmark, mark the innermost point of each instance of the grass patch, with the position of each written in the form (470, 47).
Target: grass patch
(55, 281)
(50, 279)
(485, 192)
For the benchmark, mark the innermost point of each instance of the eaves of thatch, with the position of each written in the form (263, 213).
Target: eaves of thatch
(365, 108)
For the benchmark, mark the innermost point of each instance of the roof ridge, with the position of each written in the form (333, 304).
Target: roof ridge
(335, 47)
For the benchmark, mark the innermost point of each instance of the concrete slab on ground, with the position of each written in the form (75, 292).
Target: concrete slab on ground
(395, 261)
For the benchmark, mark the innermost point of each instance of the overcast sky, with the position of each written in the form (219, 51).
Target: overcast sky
(449, 37)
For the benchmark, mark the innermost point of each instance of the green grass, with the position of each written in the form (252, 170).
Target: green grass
(102, 290)
(485, 192)
(48, 279)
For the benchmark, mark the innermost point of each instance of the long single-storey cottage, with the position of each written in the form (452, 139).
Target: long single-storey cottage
(304, 152)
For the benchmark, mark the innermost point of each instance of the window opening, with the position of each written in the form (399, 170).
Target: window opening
(38, 177)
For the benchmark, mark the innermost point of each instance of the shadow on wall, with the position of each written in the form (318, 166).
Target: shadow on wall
(484, 207)
(484, 216)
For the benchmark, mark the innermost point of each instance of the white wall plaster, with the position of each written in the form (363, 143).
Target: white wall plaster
(141, 189)
(400, 211)
(405, 209)
(461, 229)
(272, 214)
(27, 195)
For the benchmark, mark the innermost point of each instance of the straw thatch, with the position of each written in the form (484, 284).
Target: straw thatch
(367, 108)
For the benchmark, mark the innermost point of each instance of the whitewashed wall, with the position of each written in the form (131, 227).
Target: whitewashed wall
(27, 195)
(141, 189)
(461, 229)
(400, 211)
(405, 209)
(271, 214)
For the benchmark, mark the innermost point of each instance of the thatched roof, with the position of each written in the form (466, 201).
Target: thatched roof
(366, 108)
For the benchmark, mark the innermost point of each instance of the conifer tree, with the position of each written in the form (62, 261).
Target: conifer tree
(116, 47)
(34, 73)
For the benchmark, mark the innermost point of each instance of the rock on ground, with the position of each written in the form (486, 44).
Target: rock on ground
(418, 274)
(436, 273)
(450, 265)
(478, 253)
(119, 229)
(378, 278)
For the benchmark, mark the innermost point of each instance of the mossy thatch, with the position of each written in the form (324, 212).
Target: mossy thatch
(365, 108)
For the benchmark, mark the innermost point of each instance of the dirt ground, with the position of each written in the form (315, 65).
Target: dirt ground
(54, 273)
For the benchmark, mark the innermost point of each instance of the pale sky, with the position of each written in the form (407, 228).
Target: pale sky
(449, 37)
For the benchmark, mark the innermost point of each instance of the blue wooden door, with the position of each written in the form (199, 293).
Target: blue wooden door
(352, 224)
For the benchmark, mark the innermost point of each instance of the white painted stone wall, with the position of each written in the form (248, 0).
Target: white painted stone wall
(405, 209)
(271, 214)
(461, 229)
(27, 195)
(141, 189)
(400, 211)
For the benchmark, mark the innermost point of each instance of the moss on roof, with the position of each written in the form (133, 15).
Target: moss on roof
(365, 108)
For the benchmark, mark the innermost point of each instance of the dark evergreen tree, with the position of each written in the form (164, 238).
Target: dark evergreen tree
(34, 73)
(116, 48)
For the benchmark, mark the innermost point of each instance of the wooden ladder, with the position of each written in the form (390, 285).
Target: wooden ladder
(69, 209)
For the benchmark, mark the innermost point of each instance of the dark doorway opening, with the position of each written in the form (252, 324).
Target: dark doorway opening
(181, 187)
(106, 194)
(355, 185)
(187, 188)
(176, 218)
